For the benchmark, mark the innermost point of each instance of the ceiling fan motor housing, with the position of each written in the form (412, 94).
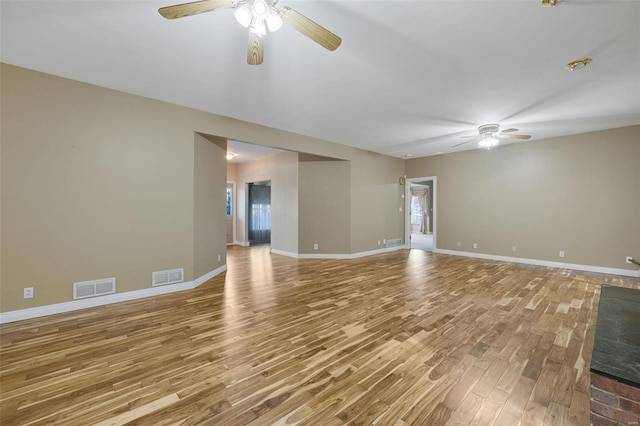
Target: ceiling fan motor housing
(488, 129)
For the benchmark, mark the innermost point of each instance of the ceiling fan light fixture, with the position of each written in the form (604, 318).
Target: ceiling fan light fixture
(549, 3)
(257, 27)
(243, 15)
(259, 9)
(274, 22)
(258, 16)
(489, 135)
(230, 155)
(488, 142)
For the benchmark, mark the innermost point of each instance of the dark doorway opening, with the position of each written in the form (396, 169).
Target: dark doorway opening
(260, 213)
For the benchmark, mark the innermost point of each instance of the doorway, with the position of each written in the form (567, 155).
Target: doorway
(259, 212)
(421, 213)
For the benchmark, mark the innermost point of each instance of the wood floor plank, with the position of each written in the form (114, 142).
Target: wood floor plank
(407, 337)
(534, 414)
(464, 413)
(490, 408)
(578, 414)
(514, 406)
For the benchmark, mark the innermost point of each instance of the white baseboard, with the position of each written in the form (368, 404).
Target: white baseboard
(547, 263)
(374, 252)
(206, 277)
(337, 255)
(239, 243)
(284, 253)
(57, 308)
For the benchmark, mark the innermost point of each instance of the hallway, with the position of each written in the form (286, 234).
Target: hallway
(422, 241)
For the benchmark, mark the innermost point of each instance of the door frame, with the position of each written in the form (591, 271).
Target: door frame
(407, 208)
(234, 211)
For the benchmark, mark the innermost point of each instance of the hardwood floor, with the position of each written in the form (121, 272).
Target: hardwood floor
(408, 337)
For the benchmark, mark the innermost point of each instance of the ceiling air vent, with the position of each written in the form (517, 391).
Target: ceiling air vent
(167, 277)
(84, 289)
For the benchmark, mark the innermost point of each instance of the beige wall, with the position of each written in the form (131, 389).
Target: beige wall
(209, 218)
(371, 185)
(579, 194)
(313, 200)
(375, 201)
(96, 183)
(232, 172)
(282, 170)
(324, 204)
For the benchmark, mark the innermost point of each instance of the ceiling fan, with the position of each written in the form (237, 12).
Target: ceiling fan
(258, 16)
(488, 135)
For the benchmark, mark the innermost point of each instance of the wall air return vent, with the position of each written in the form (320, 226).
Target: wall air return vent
(167, 277)
(394, 242)
(84, 289)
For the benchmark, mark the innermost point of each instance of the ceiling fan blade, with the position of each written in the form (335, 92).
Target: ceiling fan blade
(255, 49)
(508, 130)
(306, 26)
(194, 8)
(468, 137)
(462, 143)
(501, 136)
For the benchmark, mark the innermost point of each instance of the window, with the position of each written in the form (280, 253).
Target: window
(229, 201)
(416, 211)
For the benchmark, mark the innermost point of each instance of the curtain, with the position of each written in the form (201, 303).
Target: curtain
(422, 194)
(259, 213)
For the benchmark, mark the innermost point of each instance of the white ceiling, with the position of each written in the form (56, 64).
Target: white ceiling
(245, 152)
(410, 77)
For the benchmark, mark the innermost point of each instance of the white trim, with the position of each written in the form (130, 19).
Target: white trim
(206, 277)
(374, 252)
(547, 263)
(342, 256)
(337, 255)
(407, 208)
(234, 209)
(57, 308)
(285, 253)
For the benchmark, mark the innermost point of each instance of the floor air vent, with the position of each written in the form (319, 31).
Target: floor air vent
(394, 243)
(93, 288)
(167, 277)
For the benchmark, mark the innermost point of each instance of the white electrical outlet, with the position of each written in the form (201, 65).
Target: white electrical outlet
(561, 254)
(28, 293)
(378, 242)
(384, 241)
(315, 246)
(628, 259)
(514, 248)
(219, 258)
(458, 244)
(475, 245)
